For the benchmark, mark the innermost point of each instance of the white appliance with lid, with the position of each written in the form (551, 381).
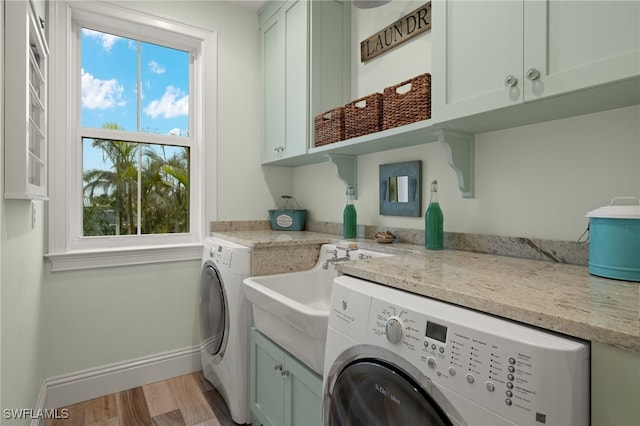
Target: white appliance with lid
(394, 357)
(224, 320)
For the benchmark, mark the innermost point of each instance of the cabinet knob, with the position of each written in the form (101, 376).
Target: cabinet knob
(533, 74)
(285, 373)
(277, 367)
(510, 81)
(279, 149)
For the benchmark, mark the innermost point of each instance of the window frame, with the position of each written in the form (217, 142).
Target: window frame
(68, 248)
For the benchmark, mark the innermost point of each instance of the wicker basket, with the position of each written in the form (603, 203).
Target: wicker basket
(329, 127)
(362, 120)
(404, 108)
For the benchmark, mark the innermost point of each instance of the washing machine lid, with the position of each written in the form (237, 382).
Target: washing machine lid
(213, 312)
(371, 391)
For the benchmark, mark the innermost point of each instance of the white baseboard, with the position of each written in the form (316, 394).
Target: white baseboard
(92, 383)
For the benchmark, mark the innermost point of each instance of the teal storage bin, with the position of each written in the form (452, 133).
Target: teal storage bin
(284, 219)
(614, 242)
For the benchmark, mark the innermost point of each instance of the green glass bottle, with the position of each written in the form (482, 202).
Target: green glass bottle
(349, 217)
(433, 222)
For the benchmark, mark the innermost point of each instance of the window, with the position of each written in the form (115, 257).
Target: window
(127, 85)
(128, 168)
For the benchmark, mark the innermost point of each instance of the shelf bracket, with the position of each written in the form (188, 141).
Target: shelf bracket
(460, 148)
(347, 171)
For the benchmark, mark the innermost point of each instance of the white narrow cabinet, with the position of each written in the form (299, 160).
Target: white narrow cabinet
(305, 62)
(492, 54)
(284, 391)
(25, 85)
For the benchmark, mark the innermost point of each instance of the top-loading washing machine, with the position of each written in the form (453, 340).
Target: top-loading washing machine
(396, 358)
(224, 318)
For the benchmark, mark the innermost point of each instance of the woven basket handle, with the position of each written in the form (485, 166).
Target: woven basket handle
(357, 101)
(404, 83)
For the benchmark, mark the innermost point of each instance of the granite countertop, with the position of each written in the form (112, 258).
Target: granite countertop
(553, 296)
(550, 295)
(269, 238)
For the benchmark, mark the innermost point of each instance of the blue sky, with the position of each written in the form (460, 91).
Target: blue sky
(109, 84)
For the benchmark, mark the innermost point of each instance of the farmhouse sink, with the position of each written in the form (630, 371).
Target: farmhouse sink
(293, 308)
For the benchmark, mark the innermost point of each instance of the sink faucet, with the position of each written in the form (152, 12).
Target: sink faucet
(335, 259)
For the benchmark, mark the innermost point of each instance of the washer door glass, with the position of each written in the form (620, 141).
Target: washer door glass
(374, 392)
(212, 310)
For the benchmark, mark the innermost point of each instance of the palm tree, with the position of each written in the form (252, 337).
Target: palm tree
(112, 193)
(120, 182)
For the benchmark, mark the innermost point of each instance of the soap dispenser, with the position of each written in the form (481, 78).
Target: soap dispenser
(349, 216)
(433, 222)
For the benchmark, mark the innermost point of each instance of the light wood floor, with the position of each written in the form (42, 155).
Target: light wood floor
(188, 400)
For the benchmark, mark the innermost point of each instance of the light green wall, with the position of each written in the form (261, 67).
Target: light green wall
(21, 250)
(245, 189)
(1, 186)
(58, 323)
(615, 386)
(532, 181)
(102, 316)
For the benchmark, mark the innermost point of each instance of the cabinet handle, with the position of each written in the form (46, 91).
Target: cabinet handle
(533, 74)
(285, 373)
(510, 81)
(277, 367)
(279, 149)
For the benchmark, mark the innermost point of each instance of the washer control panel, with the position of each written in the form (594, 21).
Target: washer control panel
(227, 256)
(517, 371)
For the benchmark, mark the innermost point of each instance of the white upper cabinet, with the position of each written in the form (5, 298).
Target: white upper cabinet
(573, 45)
(494, 54)
(305, 69)
(25, 85)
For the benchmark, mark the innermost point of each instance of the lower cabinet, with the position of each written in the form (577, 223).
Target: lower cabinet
(283, 390)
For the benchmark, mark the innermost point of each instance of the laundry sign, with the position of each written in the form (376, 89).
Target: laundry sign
(397, 33)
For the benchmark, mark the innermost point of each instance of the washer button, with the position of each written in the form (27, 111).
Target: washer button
(441, 349)
(509, 393)
(511, 369)
(508, 401)
(510, 376)
(509, 385)
(452, 371)
(433, 346)
(490, 387)
(512, 361)
(431, 362)
(470, 378)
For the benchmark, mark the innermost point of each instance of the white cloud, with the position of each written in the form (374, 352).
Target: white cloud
(173, 103)
(175, 132)
(107, 40)
(156, 68)
(100, 94)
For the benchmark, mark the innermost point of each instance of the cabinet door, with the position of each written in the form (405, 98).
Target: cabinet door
(296, 76)
(578, 44)
(274, 83)
(267, 384)
(476, 46)
(303, 390)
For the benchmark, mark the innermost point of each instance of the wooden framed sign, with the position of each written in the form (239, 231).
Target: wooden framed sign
(397, 33)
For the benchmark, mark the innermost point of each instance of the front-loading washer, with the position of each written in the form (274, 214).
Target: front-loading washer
(397, 358)
(224, 320)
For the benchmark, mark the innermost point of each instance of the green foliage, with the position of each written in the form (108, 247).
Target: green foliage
(111, 199)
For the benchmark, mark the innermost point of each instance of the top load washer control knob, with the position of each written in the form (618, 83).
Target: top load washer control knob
(393, 328)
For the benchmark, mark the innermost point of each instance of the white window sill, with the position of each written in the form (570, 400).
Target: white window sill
(87, 259)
